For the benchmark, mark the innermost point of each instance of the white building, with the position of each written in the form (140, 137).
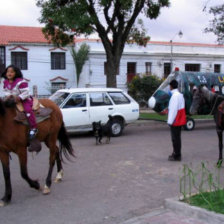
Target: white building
(46, 66)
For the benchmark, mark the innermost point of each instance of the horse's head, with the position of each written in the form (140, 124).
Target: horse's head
(202, 96)
(196, 101)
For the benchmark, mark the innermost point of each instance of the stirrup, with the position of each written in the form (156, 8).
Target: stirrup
(33, 133)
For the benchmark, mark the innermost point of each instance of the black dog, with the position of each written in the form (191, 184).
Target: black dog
(101, 130)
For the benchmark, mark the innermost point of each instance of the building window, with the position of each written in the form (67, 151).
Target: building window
(167, 69)
(2, 59)
(217, 68)
(106, 69)
(192, 67)
(19, 59)
(57, 60)
(131, 71)
(148, 68)
(57, 85)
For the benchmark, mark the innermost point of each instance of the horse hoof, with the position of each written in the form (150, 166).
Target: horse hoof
(46, 190)
(2, 204)
(59, 176)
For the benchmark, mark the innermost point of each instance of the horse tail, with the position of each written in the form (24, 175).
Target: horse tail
(65, 144)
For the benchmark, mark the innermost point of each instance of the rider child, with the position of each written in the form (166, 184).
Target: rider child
(16, 86)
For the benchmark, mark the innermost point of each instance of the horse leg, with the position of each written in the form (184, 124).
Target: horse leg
(6, 171)
(53, 152)
(60, 173)
(219, 133)
(22, 154)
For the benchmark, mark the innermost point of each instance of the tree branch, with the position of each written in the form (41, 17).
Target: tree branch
(100, 29)
(138, 7)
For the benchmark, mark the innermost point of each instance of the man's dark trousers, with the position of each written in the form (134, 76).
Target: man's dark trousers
(176, 140)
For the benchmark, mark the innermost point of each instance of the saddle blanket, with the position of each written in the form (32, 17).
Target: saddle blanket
(41, 114)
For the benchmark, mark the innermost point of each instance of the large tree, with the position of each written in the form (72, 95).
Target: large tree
(217, 23)
(112, 20)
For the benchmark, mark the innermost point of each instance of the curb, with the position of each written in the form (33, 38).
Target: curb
(204, 215)
(141, 219)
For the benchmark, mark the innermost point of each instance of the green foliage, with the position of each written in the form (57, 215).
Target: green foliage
(65, 19)
(217, 24)
(138, 35)
(79, 58)
(141, 88)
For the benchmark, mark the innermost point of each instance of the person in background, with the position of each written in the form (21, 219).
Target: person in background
(176, 119)
(15, 86)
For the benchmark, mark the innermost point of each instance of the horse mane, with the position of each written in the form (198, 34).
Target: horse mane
(2, 108)
(10, 102)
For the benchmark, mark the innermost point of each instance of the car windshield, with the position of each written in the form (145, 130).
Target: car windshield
(59, 97)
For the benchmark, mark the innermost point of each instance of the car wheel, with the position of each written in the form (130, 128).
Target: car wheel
(117, 127)
(190, 124)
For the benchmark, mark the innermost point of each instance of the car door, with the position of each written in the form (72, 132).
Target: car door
(125, 106)
(75, 112)
(100, 106)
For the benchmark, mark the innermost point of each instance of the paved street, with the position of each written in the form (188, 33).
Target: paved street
(109, 184)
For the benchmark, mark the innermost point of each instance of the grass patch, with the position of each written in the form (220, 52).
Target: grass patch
(206, 180)
(155, 116)
(215, 199)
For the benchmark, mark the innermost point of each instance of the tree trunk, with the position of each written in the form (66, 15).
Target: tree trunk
(111, 79)
(112, 72)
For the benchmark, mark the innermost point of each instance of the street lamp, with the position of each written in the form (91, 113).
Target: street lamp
(180, 34)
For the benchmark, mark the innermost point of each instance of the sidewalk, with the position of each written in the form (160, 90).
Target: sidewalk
(163, 216)
(146, 110)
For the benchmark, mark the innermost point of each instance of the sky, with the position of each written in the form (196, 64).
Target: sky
(185, 15)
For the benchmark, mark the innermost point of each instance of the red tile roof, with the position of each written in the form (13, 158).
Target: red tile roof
(22, 34)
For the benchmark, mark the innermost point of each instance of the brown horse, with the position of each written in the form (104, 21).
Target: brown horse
(13, 138)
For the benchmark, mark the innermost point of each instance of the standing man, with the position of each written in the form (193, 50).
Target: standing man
(176, 119)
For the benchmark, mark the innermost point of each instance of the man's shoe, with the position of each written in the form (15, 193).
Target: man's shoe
(174, 158)
(33, 133)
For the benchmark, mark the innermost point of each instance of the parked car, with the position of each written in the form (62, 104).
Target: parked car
(82, 106)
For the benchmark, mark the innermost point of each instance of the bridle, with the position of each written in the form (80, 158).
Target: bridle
(198, 93)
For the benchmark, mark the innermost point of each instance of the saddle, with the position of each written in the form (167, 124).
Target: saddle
(41, 112)
(36, 105)
(220, 113)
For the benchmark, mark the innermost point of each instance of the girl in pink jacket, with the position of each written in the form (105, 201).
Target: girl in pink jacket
(14, 85)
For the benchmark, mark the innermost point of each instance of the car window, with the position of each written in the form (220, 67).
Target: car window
(76, 100)
(99, 99)
(119, 98)
(59, 97)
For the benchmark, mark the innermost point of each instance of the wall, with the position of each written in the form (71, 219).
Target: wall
(39, 64)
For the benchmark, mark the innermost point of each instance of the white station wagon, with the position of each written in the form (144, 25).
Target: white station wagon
(82, 106)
